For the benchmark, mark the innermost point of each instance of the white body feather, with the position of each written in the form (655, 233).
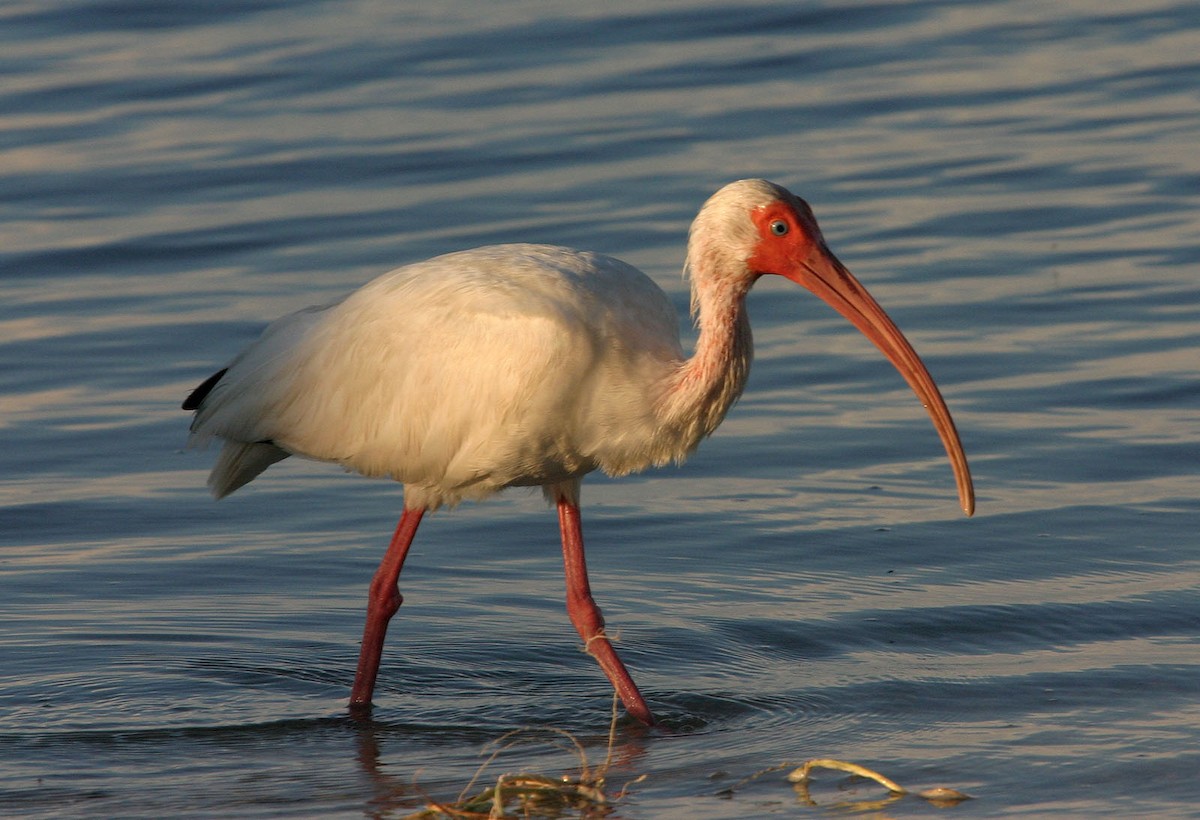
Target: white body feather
(459, 376)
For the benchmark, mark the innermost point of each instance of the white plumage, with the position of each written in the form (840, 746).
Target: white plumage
(459, 376)
(527, 365)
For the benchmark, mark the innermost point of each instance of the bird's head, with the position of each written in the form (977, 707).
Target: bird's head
(753, 228)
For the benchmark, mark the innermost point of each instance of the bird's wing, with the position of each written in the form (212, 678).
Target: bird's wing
(460, 375)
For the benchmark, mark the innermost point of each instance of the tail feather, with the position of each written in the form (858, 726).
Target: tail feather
(239, 463)
(197, 396)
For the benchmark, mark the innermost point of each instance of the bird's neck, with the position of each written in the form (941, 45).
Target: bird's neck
(706, 385)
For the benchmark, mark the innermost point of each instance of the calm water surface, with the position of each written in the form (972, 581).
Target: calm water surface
(1018, 184)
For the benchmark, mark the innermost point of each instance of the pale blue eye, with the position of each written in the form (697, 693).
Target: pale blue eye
(779, 227)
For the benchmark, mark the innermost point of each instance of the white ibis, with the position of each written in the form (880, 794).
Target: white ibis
(529, 365)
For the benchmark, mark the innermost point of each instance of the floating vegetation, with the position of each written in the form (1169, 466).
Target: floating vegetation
(939, 796)
(525, 795)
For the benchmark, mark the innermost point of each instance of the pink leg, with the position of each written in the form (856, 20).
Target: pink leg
(383, 602)
(586, 615)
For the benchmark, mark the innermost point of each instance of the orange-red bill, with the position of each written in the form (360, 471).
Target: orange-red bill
(828, 278)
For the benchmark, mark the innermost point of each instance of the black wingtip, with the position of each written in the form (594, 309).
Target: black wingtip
(197, 396)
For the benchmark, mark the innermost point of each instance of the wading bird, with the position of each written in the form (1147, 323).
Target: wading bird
(529, 365)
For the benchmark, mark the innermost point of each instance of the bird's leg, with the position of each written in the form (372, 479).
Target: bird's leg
(383, 602)
(586, 615)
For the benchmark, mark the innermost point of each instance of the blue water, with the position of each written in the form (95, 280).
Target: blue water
(1016, 182)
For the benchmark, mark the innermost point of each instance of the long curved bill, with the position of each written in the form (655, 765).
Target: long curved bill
(828, 278)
